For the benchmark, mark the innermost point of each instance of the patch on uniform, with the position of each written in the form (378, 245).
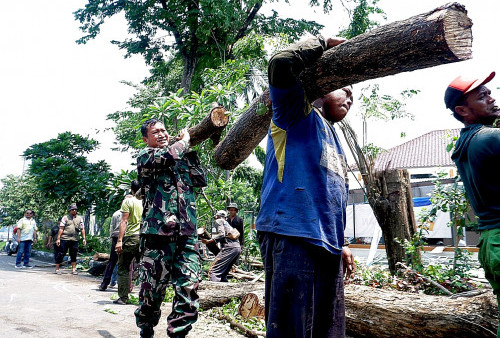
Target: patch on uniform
(331, 160)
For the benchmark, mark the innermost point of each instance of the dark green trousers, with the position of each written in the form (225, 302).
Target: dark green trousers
(130, 246)
(489, 257)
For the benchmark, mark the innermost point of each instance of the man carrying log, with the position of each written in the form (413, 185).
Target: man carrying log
(304, 197)
(168, 232)
(477, 155)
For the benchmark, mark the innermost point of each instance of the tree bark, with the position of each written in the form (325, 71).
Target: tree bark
(213, 124)
(383, 313)
(214, 294)
(427, 40)
(245, 134)
(393, 209)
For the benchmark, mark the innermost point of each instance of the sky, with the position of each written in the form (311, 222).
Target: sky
(50, 85)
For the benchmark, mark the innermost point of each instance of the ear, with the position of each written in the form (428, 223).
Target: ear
(462, 111)
(145, 139)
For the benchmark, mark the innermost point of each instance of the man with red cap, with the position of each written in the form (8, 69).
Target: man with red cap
(477, 157)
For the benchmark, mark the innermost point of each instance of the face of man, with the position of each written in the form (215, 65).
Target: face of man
(232, 212)
(337, 103)
(479, 107)
(157, 136)
(73, 212)
(28, 214)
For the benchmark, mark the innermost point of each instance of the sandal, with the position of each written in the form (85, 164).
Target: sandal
(75, 272)
(119, 301)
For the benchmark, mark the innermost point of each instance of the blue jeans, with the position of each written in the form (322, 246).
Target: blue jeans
(24, 249)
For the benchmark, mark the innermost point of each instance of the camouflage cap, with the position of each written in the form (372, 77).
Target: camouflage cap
(72, 206)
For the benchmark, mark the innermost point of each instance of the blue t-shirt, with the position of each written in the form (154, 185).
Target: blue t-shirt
(305, 190)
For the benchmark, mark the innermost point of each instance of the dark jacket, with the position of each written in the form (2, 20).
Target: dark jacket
(237, 223)
(477, 156)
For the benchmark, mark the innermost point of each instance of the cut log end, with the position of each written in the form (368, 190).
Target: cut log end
(458, 33)
(219, 117)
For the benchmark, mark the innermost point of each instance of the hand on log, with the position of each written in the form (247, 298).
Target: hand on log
(427, 40)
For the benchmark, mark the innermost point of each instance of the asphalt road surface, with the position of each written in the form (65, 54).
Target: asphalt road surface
(38, 303)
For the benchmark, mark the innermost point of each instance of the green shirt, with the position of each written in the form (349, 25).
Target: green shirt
(133, 206)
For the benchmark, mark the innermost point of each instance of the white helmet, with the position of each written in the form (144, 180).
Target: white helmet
(221, 213)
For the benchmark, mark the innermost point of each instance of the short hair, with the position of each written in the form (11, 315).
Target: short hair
(148, 123)
(32, 212)
(135, 186)
(460, 102)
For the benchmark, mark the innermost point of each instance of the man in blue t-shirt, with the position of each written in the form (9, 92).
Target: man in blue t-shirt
(477, 156)
(304, 197)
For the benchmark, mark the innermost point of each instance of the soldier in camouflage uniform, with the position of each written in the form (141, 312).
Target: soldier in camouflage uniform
(168, 232)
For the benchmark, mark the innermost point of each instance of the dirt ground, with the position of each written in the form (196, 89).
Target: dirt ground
(38, 303)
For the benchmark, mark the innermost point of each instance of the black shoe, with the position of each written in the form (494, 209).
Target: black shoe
(120, 302)
(102, 288)
(147, 332)
(178, 335)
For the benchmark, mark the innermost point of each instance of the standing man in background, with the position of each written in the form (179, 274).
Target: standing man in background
(67, 238)
(127, 245)
(26, 236)
(236, 222)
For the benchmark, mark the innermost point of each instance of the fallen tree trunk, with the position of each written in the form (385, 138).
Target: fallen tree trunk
(245, 134)
(214, 294)
(382, 313)
(427, 40)
(210, 127)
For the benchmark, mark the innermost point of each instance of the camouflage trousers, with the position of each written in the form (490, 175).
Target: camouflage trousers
(162, 261)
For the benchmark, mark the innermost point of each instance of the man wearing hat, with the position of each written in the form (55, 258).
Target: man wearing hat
(67, 239)
(236, 222)
(223, 233)
(477, 157)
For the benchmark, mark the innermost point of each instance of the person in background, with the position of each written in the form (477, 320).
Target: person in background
(26, 236)
(236, 222)
(230, 248)
(127, 245)
(67, 238)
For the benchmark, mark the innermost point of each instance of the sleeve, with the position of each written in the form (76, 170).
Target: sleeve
(19, 223)
(285, 67)
(63, 221)
(287, 94)
(125, 206)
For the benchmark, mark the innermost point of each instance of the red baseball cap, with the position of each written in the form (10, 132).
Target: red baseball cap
(461, 86)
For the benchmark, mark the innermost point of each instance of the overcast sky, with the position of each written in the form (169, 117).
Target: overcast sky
(49, 84)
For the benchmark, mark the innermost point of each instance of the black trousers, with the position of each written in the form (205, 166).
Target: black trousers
(304, 294)
(113, 259)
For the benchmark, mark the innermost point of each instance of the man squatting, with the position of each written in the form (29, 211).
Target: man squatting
(168, 239)
(304, 198)
(477, 157)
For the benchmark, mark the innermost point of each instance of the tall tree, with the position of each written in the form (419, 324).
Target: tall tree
(63, 173)
(195, 34)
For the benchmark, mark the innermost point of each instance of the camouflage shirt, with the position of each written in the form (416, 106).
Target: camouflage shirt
(168, 196)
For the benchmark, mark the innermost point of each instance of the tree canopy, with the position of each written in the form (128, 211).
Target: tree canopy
(64, 175)
(192, 34)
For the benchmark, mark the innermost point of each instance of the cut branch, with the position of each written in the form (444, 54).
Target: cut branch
(427, 40)
(212, 125)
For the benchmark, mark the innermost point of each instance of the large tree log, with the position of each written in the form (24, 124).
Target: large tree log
(217, 294)
(245, 134)
(427, 40)
(381, 313)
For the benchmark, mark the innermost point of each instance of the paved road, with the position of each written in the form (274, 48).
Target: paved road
(38, 303)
